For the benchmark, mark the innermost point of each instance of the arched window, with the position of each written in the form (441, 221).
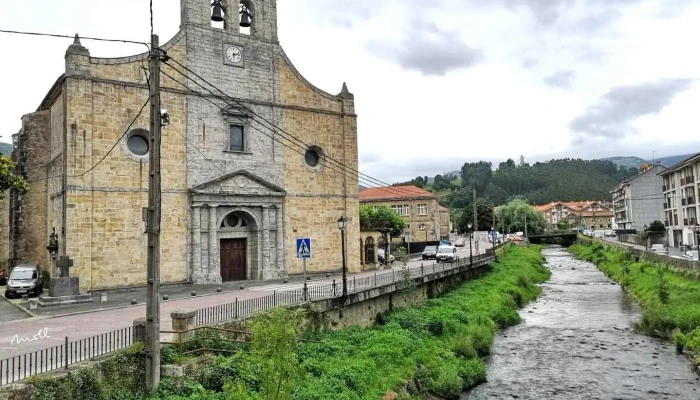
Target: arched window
(369, 250)
(245, 17)
(234, 220)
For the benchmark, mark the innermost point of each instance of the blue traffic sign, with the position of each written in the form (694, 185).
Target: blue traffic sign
(303, 248)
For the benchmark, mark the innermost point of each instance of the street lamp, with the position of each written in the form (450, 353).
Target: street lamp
(469, 226)
(646, 239)
(342, 223)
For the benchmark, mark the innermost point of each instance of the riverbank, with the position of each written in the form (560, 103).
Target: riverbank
(432, 351)
(671, 300)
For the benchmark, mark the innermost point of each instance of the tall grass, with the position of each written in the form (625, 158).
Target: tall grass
(671, 301)
(429, 351)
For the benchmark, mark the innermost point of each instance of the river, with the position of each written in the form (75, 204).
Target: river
(577, 342)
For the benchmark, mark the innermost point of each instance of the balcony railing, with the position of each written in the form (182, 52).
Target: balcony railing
(675, 220)
(689, 179)
(685, 221)
(692, 221)
(683, 201)
(682, 181)
(691, 200)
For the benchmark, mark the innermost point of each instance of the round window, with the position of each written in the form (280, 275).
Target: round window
(312, 158)
(138, 144)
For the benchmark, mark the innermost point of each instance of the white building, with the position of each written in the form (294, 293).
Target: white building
(680, 194)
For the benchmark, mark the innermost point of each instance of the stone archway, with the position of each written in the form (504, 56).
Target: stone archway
(238, 245)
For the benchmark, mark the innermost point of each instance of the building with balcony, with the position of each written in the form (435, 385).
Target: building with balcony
(679, 201)
(637, 200)
(585, 214)
(419, 208)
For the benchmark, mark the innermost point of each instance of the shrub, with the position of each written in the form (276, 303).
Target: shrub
(482, 339)
(462, 346)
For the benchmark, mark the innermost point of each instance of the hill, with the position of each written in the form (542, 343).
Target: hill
(6, 149)
(635, 162)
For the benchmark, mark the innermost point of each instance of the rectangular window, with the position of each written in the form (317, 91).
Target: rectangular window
(422, 209)
(236, 139)
(406, 209)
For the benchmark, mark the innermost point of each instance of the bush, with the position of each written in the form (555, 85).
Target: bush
(462, 346)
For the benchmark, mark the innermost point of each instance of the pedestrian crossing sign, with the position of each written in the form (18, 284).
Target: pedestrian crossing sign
(303, 248)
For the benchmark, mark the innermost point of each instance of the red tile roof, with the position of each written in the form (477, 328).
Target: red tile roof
(395, 192)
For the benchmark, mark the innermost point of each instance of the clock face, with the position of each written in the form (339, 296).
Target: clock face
(234, 54)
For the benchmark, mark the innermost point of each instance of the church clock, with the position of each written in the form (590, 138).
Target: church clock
(234, 55)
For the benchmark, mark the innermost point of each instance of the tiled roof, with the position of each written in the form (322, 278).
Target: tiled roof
(395, 192)
(678, 165)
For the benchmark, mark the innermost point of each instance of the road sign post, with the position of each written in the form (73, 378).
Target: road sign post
(303, 248)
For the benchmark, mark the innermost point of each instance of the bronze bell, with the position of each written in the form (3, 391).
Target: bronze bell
(245, 20)
(216, 14)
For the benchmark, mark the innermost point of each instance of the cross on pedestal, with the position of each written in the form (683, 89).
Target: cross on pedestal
(63, 263)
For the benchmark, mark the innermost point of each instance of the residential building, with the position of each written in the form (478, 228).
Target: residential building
(679, 202)
(445, 222)
(586, 214)
(234, 196)
(638, 200)
(419, 208)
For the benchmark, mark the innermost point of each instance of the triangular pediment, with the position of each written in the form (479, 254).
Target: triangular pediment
(240, 183)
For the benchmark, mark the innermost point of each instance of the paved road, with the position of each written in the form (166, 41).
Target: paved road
(9, 312)
(98, 321)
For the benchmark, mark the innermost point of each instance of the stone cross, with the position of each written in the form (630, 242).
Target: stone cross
(63, 263)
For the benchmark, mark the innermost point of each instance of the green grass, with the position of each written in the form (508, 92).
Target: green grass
(671, 300)
(429, 350)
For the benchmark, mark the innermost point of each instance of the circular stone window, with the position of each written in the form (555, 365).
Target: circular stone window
(137, 143)
(312, 157)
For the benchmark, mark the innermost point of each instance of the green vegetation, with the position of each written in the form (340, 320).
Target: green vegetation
(555, 180)
(429, 351)
(513, 216)
(8, 179)
(671, 300)
(381, 217)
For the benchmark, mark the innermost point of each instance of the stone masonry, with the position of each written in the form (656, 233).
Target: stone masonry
(263, 196)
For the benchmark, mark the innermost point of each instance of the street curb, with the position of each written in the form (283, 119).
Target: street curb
(31, 315)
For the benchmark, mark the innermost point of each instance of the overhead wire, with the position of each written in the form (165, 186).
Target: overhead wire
(273, 126)
(334, 167)
(73, 36)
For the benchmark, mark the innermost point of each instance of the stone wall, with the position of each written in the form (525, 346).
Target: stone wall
(31, 156)
(676, 262)
(105, 233)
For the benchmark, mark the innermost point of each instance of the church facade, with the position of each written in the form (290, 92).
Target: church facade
(260, 158)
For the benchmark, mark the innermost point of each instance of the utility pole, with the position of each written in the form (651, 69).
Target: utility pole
(153, 220)
(476, 225)
(525, 225)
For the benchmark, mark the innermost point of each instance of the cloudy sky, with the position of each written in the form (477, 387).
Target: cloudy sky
(439, 83)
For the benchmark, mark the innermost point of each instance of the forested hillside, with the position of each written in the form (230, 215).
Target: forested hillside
(540, 183)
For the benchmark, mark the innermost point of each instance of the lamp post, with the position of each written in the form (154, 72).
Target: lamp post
(646, 239)
(342, 222)
(469, 226)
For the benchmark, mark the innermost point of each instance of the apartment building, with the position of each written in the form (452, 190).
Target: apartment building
(419, 208)
(638, 200)
(679, 201)
(586, 214)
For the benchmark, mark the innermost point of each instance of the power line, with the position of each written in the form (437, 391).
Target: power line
(73, 36)
(104, 156)
(389, 189)
(274, 127)
(331, 167)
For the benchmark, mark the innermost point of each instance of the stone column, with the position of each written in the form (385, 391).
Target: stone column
(196, 244)
(266, 242)
(281, 270)
(214, 270)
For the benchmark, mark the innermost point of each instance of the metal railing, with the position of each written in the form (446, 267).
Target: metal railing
(248, 307)
(17, 368)
(21, 367)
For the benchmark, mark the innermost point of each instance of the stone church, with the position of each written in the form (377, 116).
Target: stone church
(234, 197)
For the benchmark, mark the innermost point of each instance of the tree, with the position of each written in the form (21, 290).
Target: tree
(381, 217)
(478, 175)
(517, 212)
(656, 226)
(8, 179)
(484, 215)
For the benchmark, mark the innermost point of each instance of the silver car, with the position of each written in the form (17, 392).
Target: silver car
(659, 249)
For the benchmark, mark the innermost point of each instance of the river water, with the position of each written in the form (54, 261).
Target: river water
(577, 342)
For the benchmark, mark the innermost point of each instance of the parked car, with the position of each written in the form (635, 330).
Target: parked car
(459, 243)
(446, 254)
(380, 256)
(659, 249)
(25, 279)
(692, 255)
(429, 252)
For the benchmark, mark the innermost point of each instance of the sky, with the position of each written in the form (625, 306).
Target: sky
(436, 84)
